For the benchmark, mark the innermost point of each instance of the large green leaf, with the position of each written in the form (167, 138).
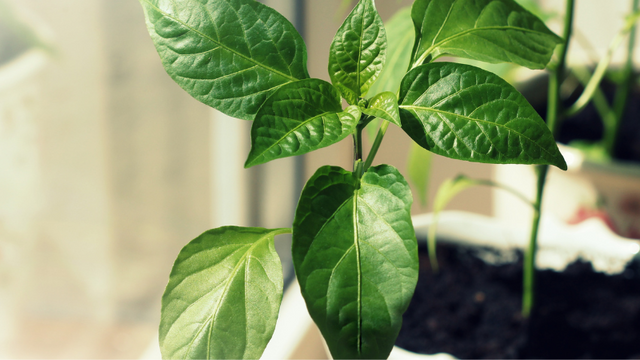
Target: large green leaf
(400, 37)
(466, 113)
(488, 30)
(229, 54)
(384, 106)
(358, 52)
(223, 296)
(298, 118)
(355, 255)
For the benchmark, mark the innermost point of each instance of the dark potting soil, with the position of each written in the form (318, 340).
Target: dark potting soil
(472, 309)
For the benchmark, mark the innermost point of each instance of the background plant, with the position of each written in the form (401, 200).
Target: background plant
(611, 116)
(354, 248)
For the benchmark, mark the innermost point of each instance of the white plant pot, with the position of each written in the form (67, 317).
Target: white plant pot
(560, 244)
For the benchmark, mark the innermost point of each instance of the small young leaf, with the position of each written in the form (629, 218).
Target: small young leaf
(223, 296)
(384, 106)
(358, 52)
(487, 30)
(298, 118)
(229, 54)
(355, 255)
(447, 191)
(400, 37)
(466, 113)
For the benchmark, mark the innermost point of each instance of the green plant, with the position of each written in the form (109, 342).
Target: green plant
(555, 115)
(610, 113)
(354, 247)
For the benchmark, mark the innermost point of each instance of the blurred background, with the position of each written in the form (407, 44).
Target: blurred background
(108, 168)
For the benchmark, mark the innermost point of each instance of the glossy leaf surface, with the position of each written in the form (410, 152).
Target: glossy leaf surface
(298, 118)
(400, 38)
(466, 113)
(355, 255)
(358, 52)
(223, 296)
(229, 54)
(486, 30)
(384, 106)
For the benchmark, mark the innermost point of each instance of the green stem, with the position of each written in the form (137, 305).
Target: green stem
(553, 112)
(376, 145)
(530, 255)
(600, 102)
(601, 69)
(357, 145)
(622, 95)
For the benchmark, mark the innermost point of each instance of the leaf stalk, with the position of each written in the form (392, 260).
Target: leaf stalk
(376, 145)
(602, 67)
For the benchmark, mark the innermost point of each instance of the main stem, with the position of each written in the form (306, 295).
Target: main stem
(553, 111)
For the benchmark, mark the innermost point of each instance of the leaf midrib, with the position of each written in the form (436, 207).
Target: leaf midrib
(468, 31)
(219, 43)
(356, 244)
(477, 120)
(372, 112)
(362, 31)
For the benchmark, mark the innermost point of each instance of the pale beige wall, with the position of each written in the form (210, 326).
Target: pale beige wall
(125, 159)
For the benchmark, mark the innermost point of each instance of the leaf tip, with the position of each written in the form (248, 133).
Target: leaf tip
(562, 164)
(250, 162)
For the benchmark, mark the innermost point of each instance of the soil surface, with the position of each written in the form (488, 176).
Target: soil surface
(471, 309)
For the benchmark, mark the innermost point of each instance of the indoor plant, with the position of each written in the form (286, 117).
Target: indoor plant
(555, 112)
(354, 247)
(602, 140)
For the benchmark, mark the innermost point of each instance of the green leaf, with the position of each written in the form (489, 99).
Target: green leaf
(223, 296)
(358, 52)
(384, 106)
(488, 30)
(466, 113)
(400, 37)
(447, 191)
(298, 118)
(419, 168)
(355, 255)
(229, 54)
